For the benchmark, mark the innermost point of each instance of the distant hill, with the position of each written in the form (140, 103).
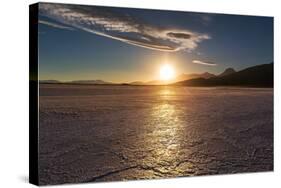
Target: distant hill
(192, 76)
(99, 82)
(137, 83)
(95, 82)
(49, 81)
(227, 71)
(256, 76)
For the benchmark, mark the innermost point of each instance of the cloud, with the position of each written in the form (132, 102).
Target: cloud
(54, 25)
(204, 62)
(179, 35)
(116, 25)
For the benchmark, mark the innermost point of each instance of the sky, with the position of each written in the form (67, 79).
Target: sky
(126, 45)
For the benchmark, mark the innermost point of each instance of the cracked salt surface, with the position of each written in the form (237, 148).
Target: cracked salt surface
(110, 133)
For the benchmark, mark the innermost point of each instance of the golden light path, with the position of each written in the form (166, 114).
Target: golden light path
(166, 133)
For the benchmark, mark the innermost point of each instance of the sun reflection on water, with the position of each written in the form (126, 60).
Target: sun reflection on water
(165, 92)
(166, 132)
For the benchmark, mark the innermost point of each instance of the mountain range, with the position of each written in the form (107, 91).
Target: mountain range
(179, 78)
(256, 76)
(98, 82)
(183, 77)
(95, 82)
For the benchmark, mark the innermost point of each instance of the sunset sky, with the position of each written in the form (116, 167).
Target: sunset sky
(125, 45)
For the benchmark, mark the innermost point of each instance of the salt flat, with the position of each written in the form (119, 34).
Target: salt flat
(99, 133)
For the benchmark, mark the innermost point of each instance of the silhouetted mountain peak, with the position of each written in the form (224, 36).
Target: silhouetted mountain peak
(227, 71)
(207, 75)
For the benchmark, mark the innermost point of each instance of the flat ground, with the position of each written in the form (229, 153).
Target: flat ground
(102, 133)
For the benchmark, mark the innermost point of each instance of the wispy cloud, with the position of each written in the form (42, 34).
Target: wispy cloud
(204, 62)
(122, 27)
(54, 25)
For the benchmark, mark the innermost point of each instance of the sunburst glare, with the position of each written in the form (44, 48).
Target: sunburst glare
(167, 72)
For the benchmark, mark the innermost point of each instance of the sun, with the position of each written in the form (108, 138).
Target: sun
(167, 72)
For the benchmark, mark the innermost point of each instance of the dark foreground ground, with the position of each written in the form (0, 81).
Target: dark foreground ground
(110, 133)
